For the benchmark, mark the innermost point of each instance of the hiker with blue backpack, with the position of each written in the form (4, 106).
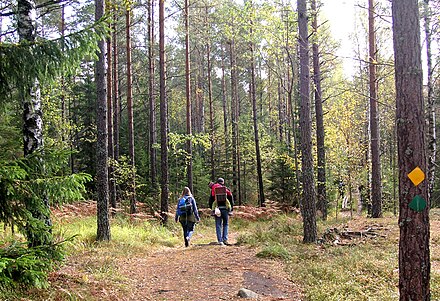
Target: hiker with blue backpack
(187, 214)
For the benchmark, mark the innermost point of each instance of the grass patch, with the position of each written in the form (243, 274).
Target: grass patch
(366, 270)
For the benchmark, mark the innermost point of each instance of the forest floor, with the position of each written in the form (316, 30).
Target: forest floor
(203, 271)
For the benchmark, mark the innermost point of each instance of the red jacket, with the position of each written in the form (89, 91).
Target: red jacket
(228, 192)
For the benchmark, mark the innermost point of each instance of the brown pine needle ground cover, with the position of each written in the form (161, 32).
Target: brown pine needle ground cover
(356, 259)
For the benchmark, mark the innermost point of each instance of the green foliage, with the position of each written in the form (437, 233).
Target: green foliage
(363, 271)
(26, 185)
(274, 252)
(20, 265)
(282, 179)
(123, 174)
(44, 60)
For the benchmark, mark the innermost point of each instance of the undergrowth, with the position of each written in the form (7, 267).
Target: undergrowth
(365, 270)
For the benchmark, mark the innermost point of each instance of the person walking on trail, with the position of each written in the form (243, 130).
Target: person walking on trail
(222, 206)
(220, 183)
(187, 214)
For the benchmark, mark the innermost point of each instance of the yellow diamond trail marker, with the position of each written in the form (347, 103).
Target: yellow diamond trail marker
(416, 176)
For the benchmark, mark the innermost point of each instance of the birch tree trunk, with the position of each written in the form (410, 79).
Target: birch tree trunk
(32, 112)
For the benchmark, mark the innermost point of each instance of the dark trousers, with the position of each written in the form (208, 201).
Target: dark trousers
(188, 229)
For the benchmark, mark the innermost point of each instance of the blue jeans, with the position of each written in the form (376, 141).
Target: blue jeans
(222, 221)
(188, 230)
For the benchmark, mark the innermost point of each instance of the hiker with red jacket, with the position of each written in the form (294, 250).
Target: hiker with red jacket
(220, 183)
(222, 204)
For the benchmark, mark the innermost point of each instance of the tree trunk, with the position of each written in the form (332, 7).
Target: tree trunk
(115, 101)
(414, 258)
(255, 121)
(152, 102)
(432, 139)
(189, 146)
(211, 105)
(320, 134)
(308, 206)
(163, 116)
(234, 120)
(103, 230)
(376, 189)
(225, 109)
(130, 113)
(32, 112)
(111, 154)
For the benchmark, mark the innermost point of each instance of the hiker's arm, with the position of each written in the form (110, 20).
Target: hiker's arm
(231, 200)
(196, 211)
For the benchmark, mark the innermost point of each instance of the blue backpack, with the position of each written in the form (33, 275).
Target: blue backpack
(185, 206)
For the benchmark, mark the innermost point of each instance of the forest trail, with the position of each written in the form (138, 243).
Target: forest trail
(198, 273)
(206, 272)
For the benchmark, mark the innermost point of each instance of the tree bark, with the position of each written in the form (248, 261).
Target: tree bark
(376, 182)
(414, 258)
(189, 145)
(211, 105)
(163, 116)
(32, 113)
(432, 139)
(320, 134)
(308, 206)
(261, 200)
(225, 107)
(130, 112)
(111, 154)
(234, 120)
(103, 230)
(116, 107)
(152, 102)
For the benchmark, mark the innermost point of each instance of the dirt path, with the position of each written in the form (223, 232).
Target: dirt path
(207, 272)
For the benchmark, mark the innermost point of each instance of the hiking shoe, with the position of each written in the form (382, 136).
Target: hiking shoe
(226, 242)
(221, 243)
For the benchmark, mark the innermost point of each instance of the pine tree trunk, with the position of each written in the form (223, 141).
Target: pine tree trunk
(414, 258)
(261, 199)
(115, 74)
(308, 206)
(211, 105)
(376, 189)
(163, 116)
(130, 113)
(111, 154)
(103, 230)
(189, 147)
(234, 120)
(322, 195)
(225, 109)
(430, 109)
(152, 102)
